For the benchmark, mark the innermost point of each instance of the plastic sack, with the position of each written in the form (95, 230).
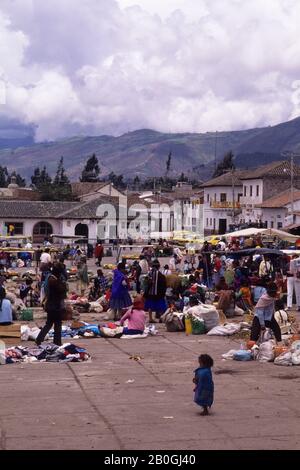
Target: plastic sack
(225, 330)
(266, 351)
(242, 355)
(27, 314)
(284, 359)
(209, 314)
(296, 358)
(295, 346)
(198, 326)
(96, 307)
(30, 334)
(230, 354)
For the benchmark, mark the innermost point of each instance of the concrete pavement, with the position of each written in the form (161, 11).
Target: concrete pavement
(115, 402)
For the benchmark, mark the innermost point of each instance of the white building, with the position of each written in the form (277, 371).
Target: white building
(276, 211)
(265, 183)
(221, 206)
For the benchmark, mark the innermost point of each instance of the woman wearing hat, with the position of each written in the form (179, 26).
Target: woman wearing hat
(156, 292)
(264, 314)
(120, 298)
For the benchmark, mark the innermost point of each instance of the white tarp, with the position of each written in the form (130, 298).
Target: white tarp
(271, 232)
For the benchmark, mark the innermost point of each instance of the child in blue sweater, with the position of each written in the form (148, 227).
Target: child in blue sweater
(204, 390)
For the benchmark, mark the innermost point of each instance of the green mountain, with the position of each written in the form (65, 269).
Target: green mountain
(144, 152)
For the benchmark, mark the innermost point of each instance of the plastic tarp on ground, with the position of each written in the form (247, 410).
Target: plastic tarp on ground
(271, 232)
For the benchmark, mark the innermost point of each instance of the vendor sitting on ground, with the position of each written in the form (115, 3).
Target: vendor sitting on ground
(100, 285)
(136, 317)
(244, 296)
(264, 314)
(5, 309)
(25, 289)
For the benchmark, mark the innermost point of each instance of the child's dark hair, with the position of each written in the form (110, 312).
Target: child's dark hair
(279, 304)
(206, 360)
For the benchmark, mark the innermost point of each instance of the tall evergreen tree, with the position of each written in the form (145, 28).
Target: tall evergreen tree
(168, 164)
(3, 177)
(40, 178)
(225, 165)
(91, 171)
(61, 177)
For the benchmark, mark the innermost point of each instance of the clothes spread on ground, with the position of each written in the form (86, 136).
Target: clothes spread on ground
(44, 353)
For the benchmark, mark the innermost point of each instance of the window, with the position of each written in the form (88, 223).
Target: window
(223, 197)
(214, 224)
(206, 222)
(279, 225)
(208, 198)
(14, 228)
(257, 190)
(215, 196)
(210, 222)
(245, 191)
(272, 224)
(239, 197)
(42, 228)
(194, 221)
(250, 190)
(266, 224)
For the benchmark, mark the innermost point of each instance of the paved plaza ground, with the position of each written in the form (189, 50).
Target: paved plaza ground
(114, 402)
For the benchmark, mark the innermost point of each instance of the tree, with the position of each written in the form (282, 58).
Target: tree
(3, 177)
(21, 182)
(168, 164)
(225, 165)
(91, 171)
(183, 177)
(57, 190)
(61, 187)
(116, 180)
(40, 179)
(136, 183)
(61, 177)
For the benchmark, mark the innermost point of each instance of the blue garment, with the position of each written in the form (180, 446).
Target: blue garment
(120, 297)
(265, 309)
(258, 291)
(264, 314)
(204, 392)
(127, 331)
(6, 312)
(157, 306)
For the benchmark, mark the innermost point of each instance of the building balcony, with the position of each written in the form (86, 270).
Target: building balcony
(225, 205)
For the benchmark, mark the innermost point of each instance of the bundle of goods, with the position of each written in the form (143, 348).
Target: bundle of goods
(266, 350)
(109, 266)
(173, 320)
(44, 353)
(208, 313)
(81, 304)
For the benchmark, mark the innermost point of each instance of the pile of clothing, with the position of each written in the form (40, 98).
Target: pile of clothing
(45, 353)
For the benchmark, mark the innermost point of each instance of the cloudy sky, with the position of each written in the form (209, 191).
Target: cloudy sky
(111, 66)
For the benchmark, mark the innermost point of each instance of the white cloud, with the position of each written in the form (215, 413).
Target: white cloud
(107, 66)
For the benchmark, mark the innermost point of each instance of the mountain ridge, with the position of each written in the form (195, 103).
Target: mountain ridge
(144, 152)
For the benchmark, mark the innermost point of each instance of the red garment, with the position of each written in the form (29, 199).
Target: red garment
(99, 251)
(218, 264)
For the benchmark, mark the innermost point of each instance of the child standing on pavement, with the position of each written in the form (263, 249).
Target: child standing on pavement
(204, 390)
